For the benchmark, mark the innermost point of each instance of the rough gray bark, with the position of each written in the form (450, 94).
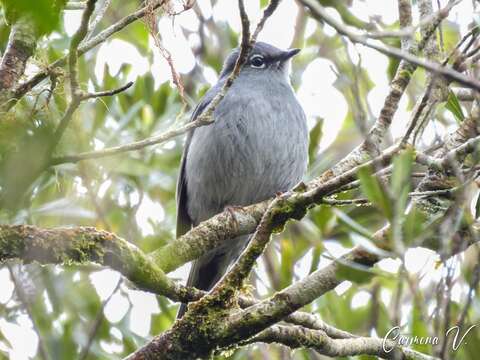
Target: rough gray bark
(21, 46)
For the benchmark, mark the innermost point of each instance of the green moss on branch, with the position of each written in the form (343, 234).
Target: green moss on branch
(80, 245)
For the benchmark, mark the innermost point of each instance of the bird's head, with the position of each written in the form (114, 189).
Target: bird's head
(264, 59)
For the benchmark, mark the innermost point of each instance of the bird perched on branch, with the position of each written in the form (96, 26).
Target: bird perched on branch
(256, 147)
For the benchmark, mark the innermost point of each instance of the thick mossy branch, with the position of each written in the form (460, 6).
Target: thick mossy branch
(209, 235)
(21, 45)
(265, 313)
(211, 316)
(80, 245)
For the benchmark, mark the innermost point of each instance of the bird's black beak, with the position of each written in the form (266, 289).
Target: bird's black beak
(288, 54)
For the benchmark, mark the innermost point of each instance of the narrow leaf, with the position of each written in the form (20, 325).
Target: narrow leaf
(400, 181)
(374, 191)
(453, 105)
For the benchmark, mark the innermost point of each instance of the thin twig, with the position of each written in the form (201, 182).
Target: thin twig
(100, 13)
(74, 43)
(245, 47)
(97, 322)
(319, 12)
(345, 202)
(297, 337)
(22, 296)
(25, 87)
(75, 5)
(107, 92)
(152, 25)
(431, 50)
(418, 111)
(153, 140)
(72, 67)
(77, 94)
(204, 119)
(398, 85)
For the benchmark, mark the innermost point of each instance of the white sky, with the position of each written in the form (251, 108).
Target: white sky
(319, 99)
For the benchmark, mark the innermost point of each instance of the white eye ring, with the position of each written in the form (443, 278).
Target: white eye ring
(257, 61)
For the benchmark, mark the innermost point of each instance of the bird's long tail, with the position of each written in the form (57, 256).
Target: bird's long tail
(208, 269)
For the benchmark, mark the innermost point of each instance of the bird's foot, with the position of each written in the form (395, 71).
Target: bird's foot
(300, 187)
(231, 210)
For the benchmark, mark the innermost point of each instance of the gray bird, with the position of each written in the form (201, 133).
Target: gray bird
(257, 146)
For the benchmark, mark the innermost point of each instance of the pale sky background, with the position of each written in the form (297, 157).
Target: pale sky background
(316, 89)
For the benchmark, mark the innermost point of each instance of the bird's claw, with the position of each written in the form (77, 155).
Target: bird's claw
(231, 210)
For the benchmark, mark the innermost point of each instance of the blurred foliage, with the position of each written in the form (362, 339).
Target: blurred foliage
(133, 194)
(45, 13)
(453, 105)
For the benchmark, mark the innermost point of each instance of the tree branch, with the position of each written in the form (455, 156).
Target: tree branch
(206, 117)
(75, 91)
(241, 221)
(431, 50)
(269, 311)
(321, 14)
(81, 245)
(137, 145)
(106, 92)
(375, 137)
(20, 47)
(261, 315)
(86, 244)
(297, 337)
(99, 14)
(25, 87)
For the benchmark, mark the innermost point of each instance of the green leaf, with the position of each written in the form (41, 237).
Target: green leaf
(160, 322)
(352, 224)
(402, 167)
(400, 181)
(453, 105)
(315, 137)
(137, 35)
(414, 225)
(316, 253)
(354, 273)
(374, 191)
(323, 218)
(44, 13)
(287, 255)
(368, 244)
(419, 328)
(124, 121)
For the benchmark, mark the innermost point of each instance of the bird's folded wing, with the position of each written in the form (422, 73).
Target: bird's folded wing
(184, 221)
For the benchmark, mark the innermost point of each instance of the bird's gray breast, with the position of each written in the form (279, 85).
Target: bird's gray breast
(256, 147)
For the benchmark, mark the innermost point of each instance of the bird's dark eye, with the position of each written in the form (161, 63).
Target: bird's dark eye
(257, 61)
